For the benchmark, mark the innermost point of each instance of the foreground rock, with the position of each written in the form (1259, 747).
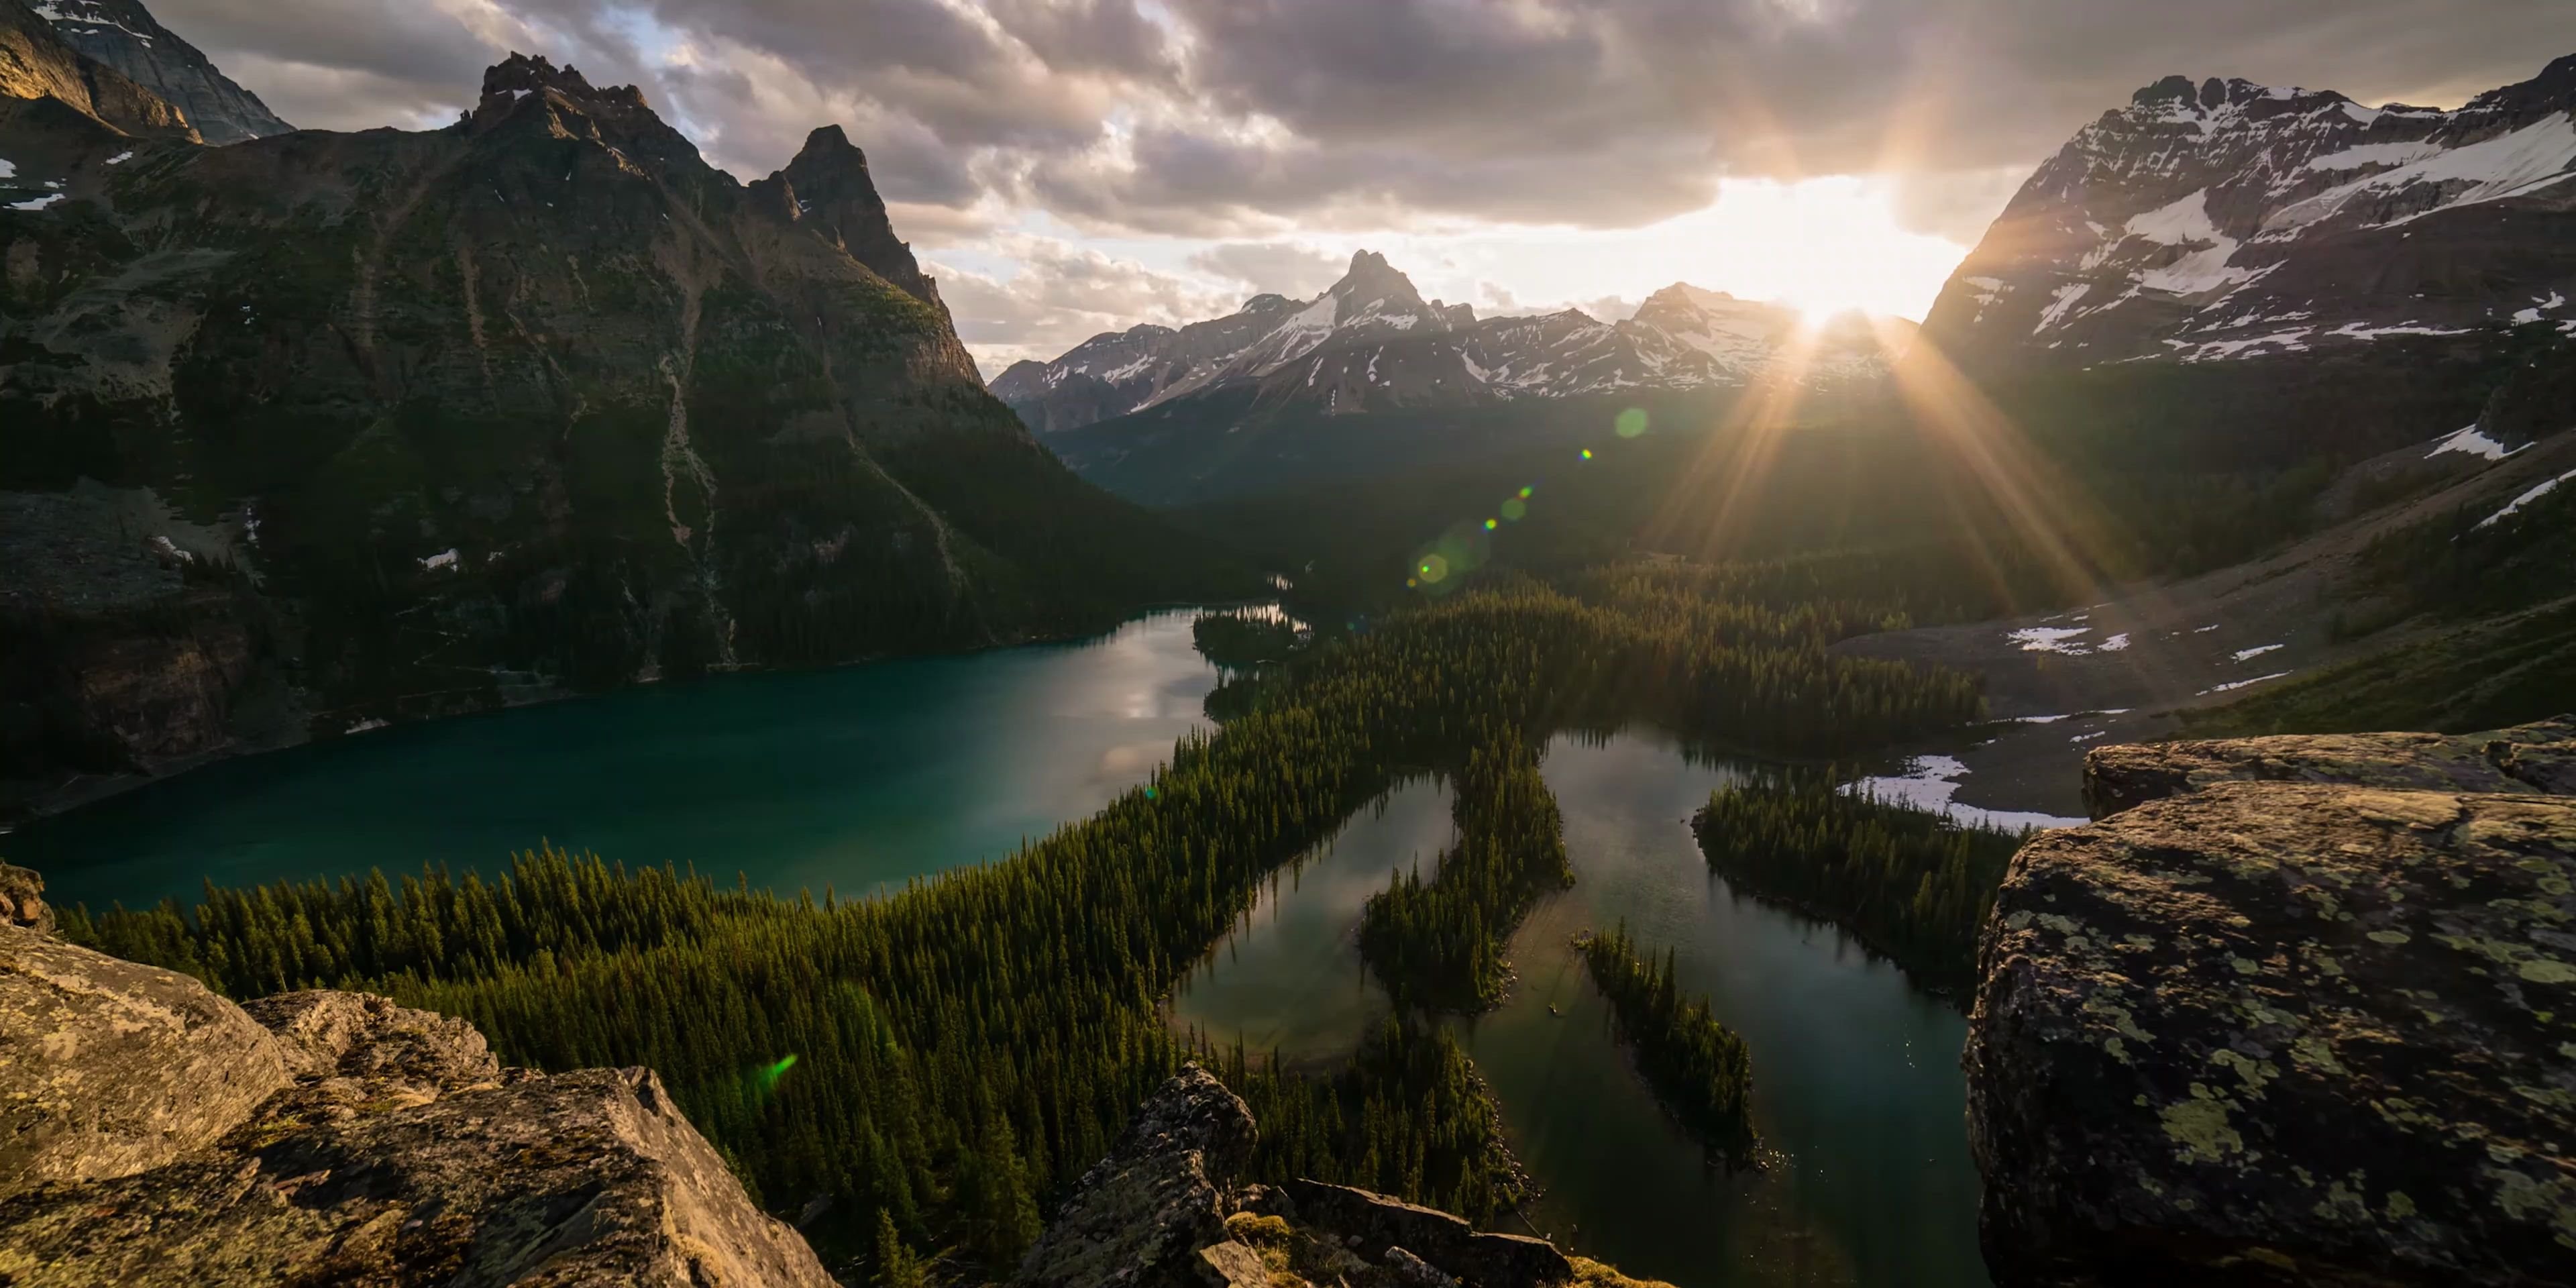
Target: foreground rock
(154, 1133)
(2537, 757)
(1165, 1210)
(2293, 1031)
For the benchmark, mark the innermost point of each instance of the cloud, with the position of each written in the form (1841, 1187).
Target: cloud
(1247, 119)
(1241, 133)
(1061, 294)
(1284, 268)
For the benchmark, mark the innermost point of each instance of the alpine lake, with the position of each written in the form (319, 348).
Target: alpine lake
(860, 779)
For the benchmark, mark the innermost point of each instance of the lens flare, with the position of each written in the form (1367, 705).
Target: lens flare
(1587, 453)
(1630, 423)
(1515, 509)
(764, 1080)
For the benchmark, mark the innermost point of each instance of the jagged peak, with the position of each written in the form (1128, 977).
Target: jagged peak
(1683, 294)
(521, 74)
(827, 145)
(2216, 92)
(1264, 301)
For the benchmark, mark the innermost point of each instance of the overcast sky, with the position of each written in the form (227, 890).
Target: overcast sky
(1069, 166)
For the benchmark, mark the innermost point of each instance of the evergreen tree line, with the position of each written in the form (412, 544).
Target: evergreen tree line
(1408, 1115)
(1910, 884)
(1439, 943)
(947, 1060)
(1699, 1068)
(1241, 638)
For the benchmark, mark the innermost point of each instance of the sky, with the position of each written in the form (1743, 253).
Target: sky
(1065, 167)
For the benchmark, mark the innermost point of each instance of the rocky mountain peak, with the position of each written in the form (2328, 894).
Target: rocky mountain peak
(122, 36)
(2231, 219)
(38, 61)
(1375, 290)
(827, 187)
(520, 75)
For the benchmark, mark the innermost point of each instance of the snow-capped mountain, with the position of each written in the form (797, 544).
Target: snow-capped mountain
(122, 35)
(2230, 219)
(1117, 372)
(1371, 343)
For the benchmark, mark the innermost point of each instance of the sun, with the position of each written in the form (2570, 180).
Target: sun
(1824, 246)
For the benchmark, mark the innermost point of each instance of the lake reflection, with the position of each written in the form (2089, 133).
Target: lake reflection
(857, 778)
(1858, 1092)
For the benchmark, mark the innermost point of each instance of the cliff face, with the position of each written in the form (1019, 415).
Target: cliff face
(153, 1133)
(2295, 1011)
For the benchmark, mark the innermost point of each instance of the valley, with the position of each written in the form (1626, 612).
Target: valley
(516, 640)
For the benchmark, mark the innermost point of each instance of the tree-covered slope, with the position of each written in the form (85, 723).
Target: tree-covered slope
(539, 398)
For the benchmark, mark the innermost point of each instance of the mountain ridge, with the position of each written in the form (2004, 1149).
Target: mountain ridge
(394, 424)
(122, 35)
(2230, 219)
(1393, 349)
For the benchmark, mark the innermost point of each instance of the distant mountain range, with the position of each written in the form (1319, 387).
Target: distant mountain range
(1372, 343)
(2231, 220)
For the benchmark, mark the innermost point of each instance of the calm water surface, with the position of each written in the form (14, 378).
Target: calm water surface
(1289, 978)
(855, 778)
(1857, 1084)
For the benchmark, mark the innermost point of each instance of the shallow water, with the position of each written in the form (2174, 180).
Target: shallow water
(1858, 1092)
(857, 778)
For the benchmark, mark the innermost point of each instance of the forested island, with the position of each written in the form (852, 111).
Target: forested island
(1912, 885)
(1699, 1068)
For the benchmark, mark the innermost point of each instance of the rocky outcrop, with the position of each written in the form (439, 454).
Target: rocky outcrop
(1376, 1226)
(2310, 1018)
(22, 900)
(1165, 1210)
(1141, 1214)
(2526, 758)
(152, 1133)
(108, 1068)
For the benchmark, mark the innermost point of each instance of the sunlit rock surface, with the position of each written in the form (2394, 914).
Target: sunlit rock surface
(2315, 1029)
(2538, 757)
(158, 1134)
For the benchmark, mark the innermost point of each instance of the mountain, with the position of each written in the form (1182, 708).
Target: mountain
(38, 65)
(119, 34)
(2229, 220)
(317, 430)
(1371, 343)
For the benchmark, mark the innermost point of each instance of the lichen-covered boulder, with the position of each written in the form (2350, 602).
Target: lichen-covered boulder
(1141, 1214)
(389, 1148)
(2537, 757)
(2284, 1033)
(108, 1068)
